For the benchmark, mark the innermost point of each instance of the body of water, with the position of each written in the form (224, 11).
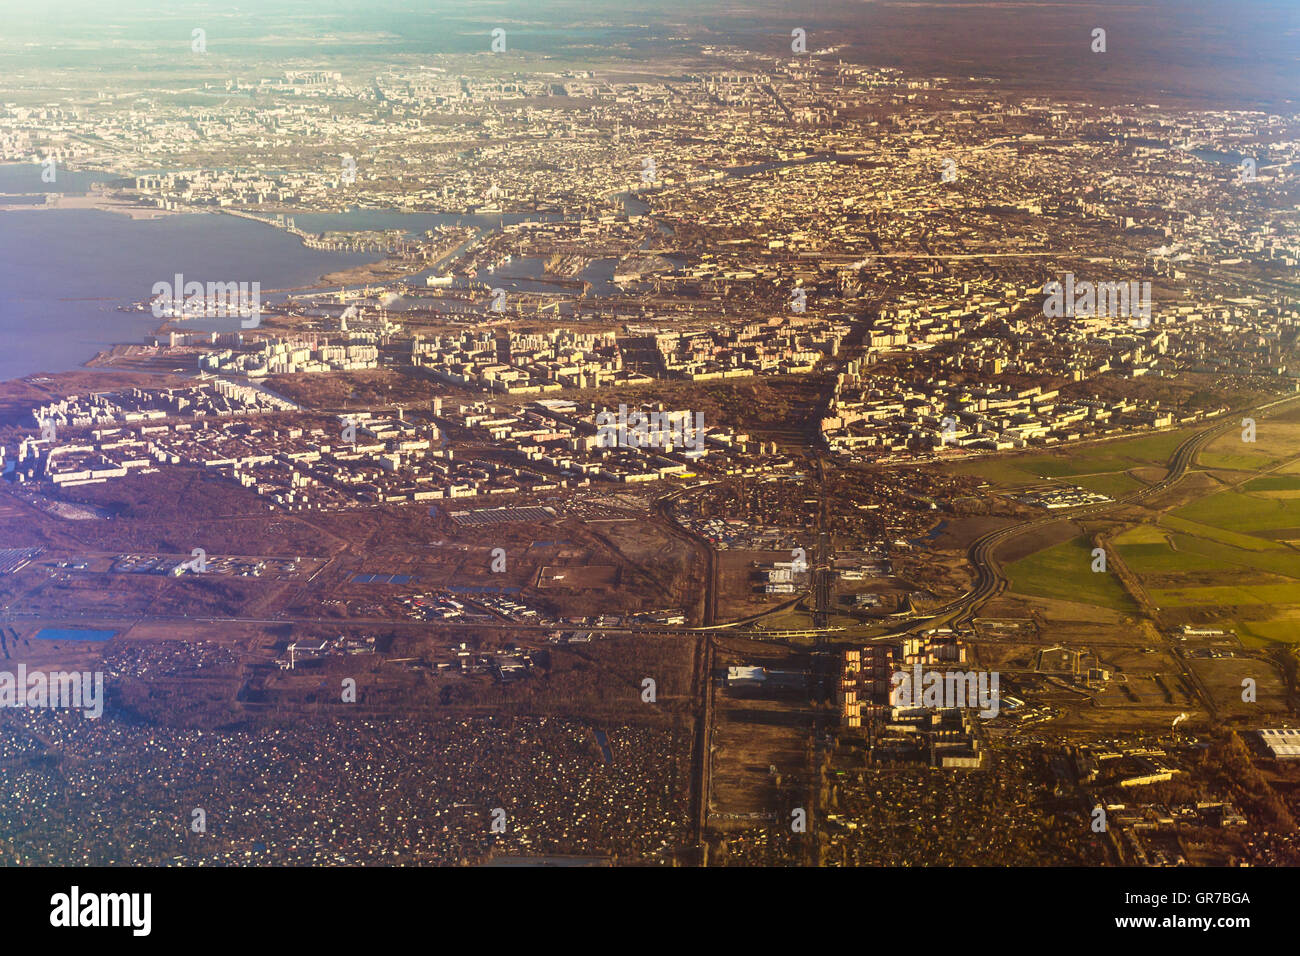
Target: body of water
(64, 272)
(1217, 156)
(18, 178)
(603, 740)
(73, 634)
(528, 274)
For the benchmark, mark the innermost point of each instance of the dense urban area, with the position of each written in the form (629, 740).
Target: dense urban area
(746, 455)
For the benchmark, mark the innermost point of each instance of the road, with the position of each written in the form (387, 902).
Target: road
(701, 678)
(989, 577)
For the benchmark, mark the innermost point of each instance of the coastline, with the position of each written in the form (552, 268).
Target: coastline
(90, 201)
(386, 269)
(132, 356)
(122, 354)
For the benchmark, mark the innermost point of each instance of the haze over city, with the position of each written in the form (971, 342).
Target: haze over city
(677, 435)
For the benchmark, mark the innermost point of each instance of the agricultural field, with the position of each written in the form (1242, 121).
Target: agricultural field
(1274, 486)
(1231, 556)
(1283, 626)
(1100, 466)
(1240, 510)
(1064, 572)
(1277, 440)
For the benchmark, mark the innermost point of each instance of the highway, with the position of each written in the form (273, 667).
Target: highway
(989, 577)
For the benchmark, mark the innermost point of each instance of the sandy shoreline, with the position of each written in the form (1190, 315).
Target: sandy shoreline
(103, 203)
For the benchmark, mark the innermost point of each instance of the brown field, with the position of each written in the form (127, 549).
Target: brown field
(755, 730)
(1044, 537)
(595, 577)
(958, 533)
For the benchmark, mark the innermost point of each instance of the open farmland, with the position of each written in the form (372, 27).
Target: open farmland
(1064, 571)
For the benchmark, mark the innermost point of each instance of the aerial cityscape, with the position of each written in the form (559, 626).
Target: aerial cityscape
(554, 433)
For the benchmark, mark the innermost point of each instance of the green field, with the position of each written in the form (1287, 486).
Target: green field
(1146, 559)
(1276, 440)
(1143, 534)
(1176, 553)
(1227, 549)
(1236, 511)
(1104, 462)
(1234, 461)
(1273, 483)
(1271, 594)
(1245, 542)
(1260, 633)
(1112, 456)
(1282, 561)
(1064, 572)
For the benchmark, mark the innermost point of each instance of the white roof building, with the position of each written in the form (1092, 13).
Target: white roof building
(1283, 744)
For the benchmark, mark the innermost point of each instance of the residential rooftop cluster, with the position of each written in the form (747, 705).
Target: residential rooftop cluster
(886, 420)
(338, 792)
(524, 363)
(291, 355)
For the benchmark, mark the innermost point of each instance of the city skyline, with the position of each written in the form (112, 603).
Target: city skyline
(554, 434)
